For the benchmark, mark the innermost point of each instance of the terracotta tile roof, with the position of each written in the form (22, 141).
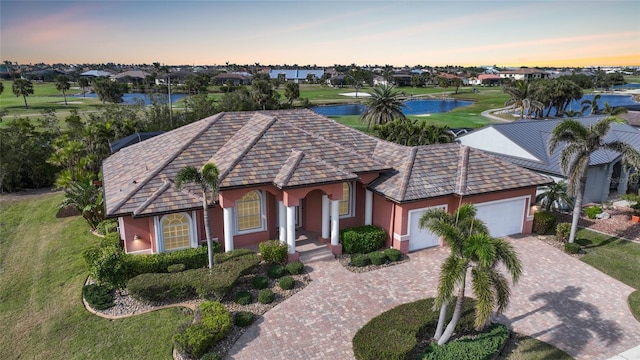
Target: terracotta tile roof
(292, 148)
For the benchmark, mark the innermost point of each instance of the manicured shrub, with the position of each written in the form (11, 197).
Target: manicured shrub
(215, 317)
(286, 283)
(111, 239)
(393, 254)
(482, 346)
(273, 251)
(295, 267)
(360, 260)
(266, 296)
(362, 239)
(175, 268)
(195, 340)
(244, 298)
(211, 356)
(107, 266)
(276, 271)
(159, 288)
(544, 223)
(99, 297)
(243, 318)
(563, 230)
(193, 258)
(259, 282)
(107, 226)
(377, 258)
(592, 211)
(572, 248)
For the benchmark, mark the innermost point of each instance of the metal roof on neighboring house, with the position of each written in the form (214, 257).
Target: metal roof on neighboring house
(96, 73)
(295, 74)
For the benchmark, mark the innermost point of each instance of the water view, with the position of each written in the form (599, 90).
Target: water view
(412, 107)
(612, 100)
(133, 98)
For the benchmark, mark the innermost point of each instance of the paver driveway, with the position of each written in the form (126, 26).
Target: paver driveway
(559, 300)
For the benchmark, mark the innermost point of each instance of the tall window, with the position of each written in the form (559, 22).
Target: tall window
(249, 211)
(346, 204)
(176, 232)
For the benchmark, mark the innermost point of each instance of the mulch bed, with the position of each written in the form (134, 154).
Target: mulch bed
(619, 224)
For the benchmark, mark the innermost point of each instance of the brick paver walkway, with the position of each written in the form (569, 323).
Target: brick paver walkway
(559, 300)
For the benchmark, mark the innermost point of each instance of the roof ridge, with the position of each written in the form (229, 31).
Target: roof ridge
(463, 162)
(298, 156)
(153, 197)
(407, 171)
(248, 145)
(212, 120)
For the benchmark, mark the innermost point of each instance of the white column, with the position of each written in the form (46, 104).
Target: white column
(368, 207)
(291, 229)
(335, 222)
(282, 222)
(228, 228)
(325, 216)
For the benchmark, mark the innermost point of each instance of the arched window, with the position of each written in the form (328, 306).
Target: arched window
(249, 211)
(346, 204)
(176, 232)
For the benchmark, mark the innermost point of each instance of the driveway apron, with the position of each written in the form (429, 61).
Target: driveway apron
(559, 300)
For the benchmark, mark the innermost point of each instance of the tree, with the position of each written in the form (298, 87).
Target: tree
(413, 133)
(264, 94)
(107, 90)
(1, 88)
(207, 179)
(62, 84)
(87, 199)
(24, 88)
(579, 142)
(471, 249)
(591, 105)
(521, 97)
(83, 83)
(457, 82)
(555, 196)
(613, 111)
(383, 106)
(292, 91)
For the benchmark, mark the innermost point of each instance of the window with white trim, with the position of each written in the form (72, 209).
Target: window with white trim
(176, 232)
(346, 205)
(250, 212)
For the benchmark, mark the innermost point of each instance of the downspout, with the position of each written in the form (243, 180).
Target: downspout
(393, 224)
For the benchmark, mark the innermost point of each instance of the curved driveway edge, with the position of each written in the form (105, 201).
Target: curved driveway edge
(559, 300)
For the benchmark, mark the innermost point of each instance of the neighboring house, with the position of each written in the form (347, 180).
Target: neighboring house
(526, 143)
(132, 75)
(296, 75)
(486, 80)
(524, 74)
(96, 73)
(235, 78)
(289, 170)
(132, 139)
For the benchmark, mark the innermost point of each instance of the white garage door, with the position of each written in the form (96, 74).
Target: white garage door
(421, 238)
(503, 217)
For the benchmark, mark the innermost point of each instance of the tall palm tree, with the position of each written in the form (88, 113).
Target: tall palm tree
(472, 250)
(384, 105)
(24, 88)
(291, 91)
(579, 142)
(207, 179)
(591, 105)
(522, 97)
(83, 83)
(613, 111)
(555, 196)
(62, 84)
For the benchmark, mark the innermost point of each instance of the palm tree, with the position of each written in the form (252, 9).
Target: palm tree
(383, 106)
(87, 199)
(613, 111)
(292, 91)
(579, 142)
(471, 249)
(521, 97)
(207, 179)
(1, 88)
(591, 105)
(83, 83)
(24, 88)
(62, 84)
(555, 196)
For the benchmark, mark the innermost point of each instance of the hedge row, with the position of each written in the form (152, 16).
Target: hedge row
(214, 323)
(376, 257)
(362, 239)
(483, 346)
(165, 287)
(394, 334)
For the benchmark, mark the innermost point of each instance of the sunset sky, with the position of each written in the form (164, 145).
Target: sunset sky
(504, 33)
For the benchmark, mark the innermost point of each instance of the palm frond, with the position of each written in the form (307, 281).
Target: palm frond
(483, 291)
(452, 272)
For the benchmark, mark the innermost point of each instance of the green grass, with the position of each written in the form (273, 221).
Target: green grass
(41, 312)
(617, 258)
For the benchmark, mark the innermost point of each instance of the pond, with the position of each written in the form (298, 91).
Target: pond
(612, 100)
(412, 107)
(132, 98)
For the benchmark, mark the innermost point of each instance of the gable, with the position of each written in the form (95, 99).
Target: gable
(490, 139)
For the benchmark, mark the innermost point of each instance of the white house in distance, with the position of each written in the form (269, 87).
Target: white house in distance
(526, 143)
(524, 74)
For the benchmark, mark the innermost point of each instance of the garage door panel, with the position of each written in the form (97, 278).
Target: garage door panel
(503, 217)
(421, 238)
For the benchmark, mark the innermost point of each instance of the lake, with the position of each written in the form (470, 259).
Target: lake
(412, 107)
(132, 98)
(612, 100)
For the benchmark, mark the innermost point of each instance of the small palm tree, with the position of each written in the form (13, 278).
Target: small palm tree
(292, 91)
(613, 111)
(474, 251)
(591, 105)
(62, 84)
(83, 83)
(24, 88)
(87, 199)
(579, 142)
(522, 97)
(207, 179)
(555, 196)
(384, 105)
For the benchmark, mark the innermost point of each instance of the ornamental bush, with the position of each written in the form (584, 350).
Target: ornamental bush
(273, 251)
(259, 282)
(99, 297)
(563, 230)
(286, 283)
(244, 298)
(483, 346)
(175, 268)
(214, 323)
(193, 258)
(266, 296)
(111, 239)
(572, 248)
(393, 254)
(107, 226)
(295, 267)
(107, 266)
(360, 260)
(592, 211)
(276, 271)
(377, 258)
(544, 223)
(362, 239)
(243, 318)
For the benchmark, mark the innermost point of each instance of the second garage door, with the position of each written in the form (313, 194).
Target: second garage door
(503, 217)
(421, 238)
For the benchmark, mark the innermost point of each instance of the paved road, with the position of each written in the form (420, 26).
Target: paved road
(559, 300)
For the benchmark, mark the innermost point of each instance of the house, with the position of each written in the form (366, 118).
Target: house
(96, 73)
(294, 170)
(130, 76)
(486, 80)
(526, 143)
(524, 74)
(296, 75)
(236, 79)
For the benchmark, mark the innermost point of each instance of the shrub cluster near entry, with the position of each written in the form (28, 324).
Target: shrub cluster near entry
(273, 251)
(362, 239)
(99, 297)
(544, 223)
(286, 283)
(195, 339)
(266, 296)
(295, 267)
